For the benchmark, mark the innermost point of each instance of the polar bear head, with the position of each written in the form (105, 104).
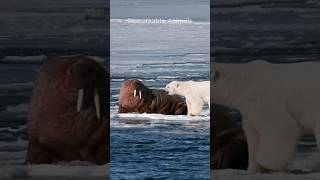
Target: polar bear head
(172, 87)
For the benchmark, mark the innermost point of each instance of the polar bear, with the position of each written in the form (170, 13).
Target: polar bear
(278, 103)
(196, 94)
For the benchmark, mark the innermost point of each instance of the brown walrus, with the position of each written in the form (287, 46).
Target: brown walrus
(68, 112)
(229, 148)
(136, 97)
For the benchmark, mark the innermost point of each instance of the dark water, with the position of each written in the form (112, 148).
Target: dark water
(169, 151)
(275, 31)
(15, 89)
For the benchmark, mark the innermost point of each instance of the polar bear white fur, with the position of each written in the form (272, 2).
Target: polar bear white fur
(278, 103)
(196, 94)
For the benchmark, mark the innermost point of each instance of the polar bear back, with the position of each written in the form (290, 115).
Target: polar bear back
(201, 88)
(204, 87)
(292, 88)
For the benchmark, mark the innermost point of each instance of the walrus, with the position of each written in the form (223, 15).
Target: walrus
(136, 97)
(229, 149)
(68, 118)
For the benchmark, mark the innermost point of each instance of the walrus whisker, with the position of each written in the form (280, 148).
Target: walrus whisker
(80, 99)
(134, 93)
(140, 94)
(97, 103)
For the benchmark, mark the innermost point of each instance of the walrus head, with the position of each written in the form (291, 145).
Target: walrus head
(83, 75)
(133, 94)
(81, 79)
(68, 112)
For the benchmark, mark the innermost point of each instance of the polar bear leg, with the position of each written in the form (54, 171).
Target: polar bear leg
(188, 107)
(277, 146)
(194, 107)
(253, 140)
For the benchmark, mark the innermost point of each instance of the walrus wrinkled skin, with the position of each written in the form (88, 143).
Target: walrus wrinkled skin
(136, 97)
(229, 149)
(68, 112)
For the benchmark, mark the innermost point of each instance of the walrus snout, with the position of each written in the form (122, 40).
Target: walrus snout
(84, 74)
(135, 93)
(96, 100)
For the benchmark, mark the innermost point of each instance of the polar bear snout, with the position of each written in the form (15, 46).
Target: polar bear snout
(168, 91)
(171, 87)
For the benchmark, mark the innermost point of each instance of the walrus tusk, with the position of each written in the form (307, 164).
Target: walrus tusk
(140, 94)
(80, 99)
(134, 93)
(97, 103)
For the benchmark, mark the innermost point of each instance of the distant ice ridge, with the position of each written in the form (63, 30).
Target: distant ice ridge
(10, 129)
(18, 108)
(16, 86)
(23, 59)
(38, 59)
(258, 2)
(156, 21)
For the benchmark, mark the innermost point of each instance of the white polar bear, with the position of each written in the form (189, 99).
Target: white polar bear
(278, 103)
(196, 94)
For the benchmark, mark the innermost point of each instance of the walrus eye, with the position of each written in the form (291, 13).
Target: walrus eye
(80, 99)
(140, 94)
(97, 103)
